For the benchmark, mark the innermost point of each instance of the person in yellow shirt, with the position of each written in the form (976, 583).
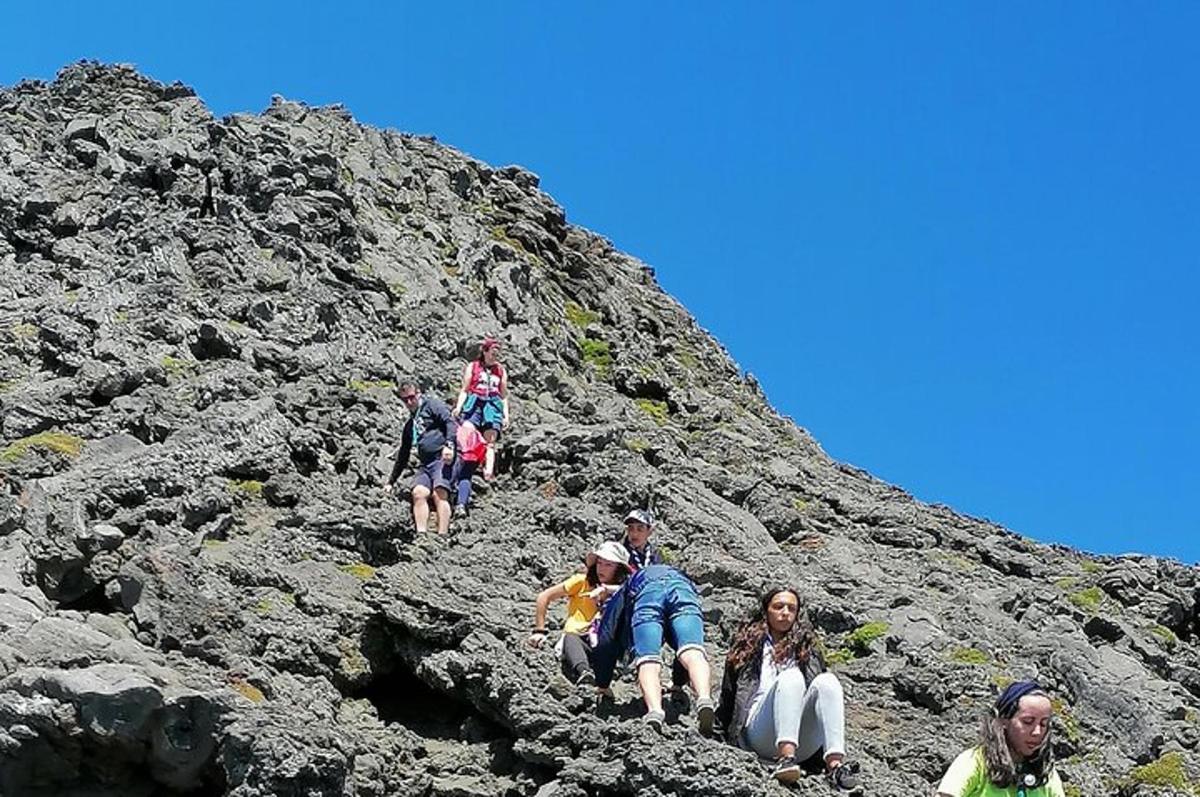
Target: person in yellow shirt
(1015, 757)
(607, 569)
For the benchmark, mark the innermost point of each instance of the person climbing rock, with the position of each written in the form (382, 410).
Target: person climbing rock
(777, 699)
(472, 449)
(1014, 757)
(639, 525)
(607, 569)
(657, 603)
(432, 429)
(483, 399)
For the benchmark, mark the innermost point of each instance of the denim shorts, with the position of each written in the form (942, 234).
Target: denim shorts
(666, 608)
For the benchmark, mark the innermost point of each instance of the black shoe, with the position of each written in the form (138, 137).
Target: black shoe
(586, 678)
(786, 771)
(843, 777)
(705, 715)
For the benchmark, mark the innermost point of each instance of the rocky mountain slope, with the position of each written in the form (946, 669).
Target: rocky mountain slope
(204, 591)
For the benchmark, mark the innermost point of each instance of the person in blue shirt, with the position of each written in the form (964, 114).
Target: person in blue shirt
(657, 604)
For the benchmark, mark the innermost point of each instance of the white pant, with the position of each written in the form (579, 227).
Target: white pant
(811, 718)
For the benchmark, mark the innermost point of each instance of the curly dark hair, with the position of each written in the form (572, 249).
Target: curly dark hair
(1003, 769)
(797, 643)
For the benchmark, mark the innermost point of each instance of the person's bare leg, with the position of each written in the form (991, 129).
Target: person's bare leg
(420, 499)
(648, 679)
(698, 671)
(489, 459)
(443, 510)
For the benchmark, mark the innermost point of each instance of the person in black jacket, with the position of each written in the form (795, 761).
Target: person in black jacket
(432, 429)
(777, 699)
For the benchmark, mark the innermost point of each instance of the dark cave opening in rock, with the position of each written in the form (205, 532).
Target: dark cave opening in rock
(94, 600)
(403, 698)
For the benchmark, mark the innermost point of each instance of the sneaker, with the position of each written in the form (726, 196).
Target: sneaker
(655, 719)
(843, 777)
(461, 510)
(705, 715)
(787, 770)
(586, 678)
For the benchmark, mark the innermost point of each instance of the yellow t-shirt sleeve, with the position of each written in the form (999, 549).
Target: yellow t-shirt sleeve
(962, 775)
(575, 584)
(1054, 786)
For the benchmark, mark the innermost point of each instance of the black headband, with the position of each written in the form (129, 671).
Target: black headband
(1010, 698)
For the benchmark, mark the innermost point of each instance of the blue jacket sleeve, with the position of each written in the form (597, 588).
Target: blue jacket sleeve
(611, 638)
(450, 424)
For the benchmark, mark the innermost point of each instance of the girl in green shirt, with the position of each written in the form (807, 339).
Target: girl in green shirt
(1015, 758)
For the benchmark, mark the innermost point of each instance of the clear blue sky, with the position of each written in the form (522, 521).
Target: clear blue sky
(957, 242)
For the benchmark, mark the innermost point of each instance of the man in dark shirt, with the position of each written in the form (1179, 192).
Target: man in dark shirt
(432, 429)
(639, 525)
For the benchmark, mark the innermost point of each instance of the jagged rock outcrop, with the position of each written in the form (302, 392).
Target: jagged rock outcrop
(204, 591)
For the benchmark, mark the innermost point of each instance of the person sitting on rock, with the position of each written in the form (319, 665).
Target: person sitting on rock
(639, 525)
(1015, 756)
(607, 568)
(656, 603)
(483, 399)
(777, 699)
(432, 429)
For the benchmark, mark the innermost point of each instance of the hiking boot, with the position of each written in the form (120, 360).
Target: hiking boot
(705, 715)
(586, 678)
(655, 719)
(787, 770)
(843, 777)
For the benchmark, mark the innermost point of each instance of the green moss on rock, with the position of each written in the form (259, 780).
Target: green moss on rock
(359, 570)
(597, 354)
(971, 656)
(57, 442)
(1167, 636)
(579, 316)
(247, 488)
(1087, 599)
(859, 640)
(657, 410)
(637, 444)
(840, 656)
(1062, 711)
(363, 385)
(1167, 772)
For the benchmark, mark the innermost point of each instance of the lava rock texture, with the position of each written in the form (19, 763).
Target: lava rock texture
(205, 591)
